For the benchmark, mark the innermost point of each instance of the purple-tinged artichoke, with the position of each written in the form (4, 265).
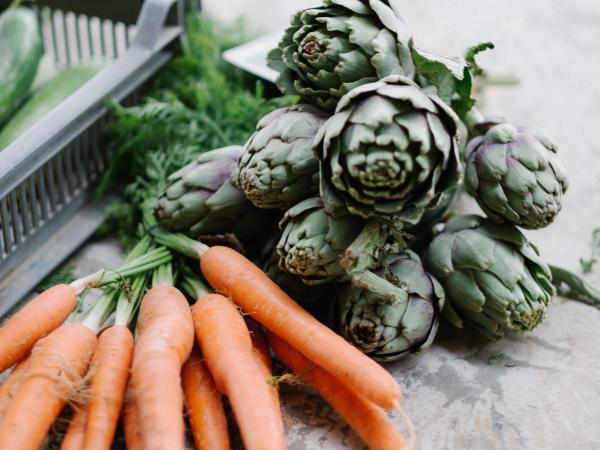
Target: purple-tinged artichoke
(516, 176)
(405, 320)
(202, 199)
(278, 167)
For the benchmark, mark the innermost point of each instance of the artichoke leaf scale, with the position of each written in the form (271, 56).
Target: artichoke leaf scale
(363, 31)
(353, 66)
(461, 287)
(415, 124)
(386, 58)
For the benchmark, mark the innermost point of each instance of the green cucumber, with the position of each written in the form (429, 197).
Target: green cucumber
(45, 99)
(20, 53)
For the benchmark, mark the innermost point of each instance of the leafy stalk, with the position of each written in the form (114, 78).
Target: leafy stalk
(574, 287)
(101, 311)
(163, 275)
(104, 277)
(587, 265)
(191, 284)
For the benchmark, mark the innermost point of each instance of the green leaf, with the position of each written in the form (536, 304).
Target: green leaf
(472, 52)
(450, 76)
(587, 265)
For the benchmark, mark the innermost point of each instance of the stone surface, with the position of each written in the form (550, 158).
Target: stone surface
(541, 390)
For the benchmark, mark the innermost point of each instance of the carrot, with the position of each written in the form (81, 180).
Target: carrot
(11, 385)
(75, 436)
(368, 420)
(51, 308)
(131, 423)
(262, 357)
(204, 405)
(227, 348)
(110, 369)
(236, 277)
(166, 336)
(34, 321)
(56, 361)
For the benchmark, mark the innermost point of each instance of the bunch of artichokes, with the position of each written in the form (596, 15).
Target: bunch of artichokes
(360, 172)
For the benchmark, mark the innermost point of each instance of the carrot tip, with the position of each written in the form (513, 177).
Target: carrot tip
(409, 424)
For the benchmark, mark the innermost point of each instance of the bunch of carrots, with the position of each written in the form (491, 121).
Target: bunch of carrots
(178, 358)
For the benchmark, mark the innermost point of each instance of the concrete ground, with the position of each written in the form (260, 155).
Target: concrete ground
(537, 391)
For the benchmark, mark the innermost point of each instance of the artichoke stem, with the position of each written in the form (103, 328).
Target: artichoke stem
(574, 287)
(368, 280)
(364, 251)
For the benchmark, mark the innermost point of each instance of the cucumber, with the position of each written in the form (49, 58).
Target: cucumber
(20, 53)
(45, 99)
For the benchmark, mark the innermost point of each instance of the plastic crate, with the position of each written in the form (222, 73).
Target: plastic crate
(48, 175)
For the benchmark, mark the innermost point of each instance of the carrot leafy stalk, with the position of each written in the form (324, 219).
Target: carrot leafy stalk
(112, 362)
(52, 307)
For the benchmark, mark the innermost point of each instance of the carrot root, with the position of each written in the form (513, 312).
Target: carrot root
(227, 348)
(111, 364)
(75, 436)
(166, 336)
(236, 277)
(35, 320)
(204, 405)
(367, 419)
(57, 362)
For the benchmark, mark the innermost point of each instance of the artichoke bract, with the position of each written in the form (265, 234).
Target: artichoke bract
(387, 328)
(390, 149)
(493, 276)
(313, 241)
(278, 167)
(301, 292)
(329, 50)
(201, 198)
(515, 176)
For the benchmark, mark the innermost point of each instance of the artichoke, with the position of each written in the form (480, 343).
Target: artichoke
(331, 49)
(201, 198)
(278, 167)
(302, 293)
(515, 176)
(493, 276)
(390, 149)
(313, 241)
(387, 328)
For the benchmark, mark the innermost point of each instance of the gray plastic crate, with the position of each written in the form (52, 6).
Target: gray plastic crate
(48, 175)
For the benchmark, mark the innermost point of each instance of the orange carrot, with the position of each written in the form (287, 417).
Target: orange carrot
(11, 385)
(262, 356)
(56, 361)
(227, 348)
(110, 369)
(131, 423)
(368, 420)
(235, 276)
(204, 405)
(166, 336)
(75, 436)
(35, 320)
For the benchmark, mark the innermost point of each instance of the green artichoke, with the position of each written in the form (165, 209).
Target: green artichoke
(201, 198)
(313, 241)
(387, 328)
(278, 167)
(301, 292)
(331, 49)
(493, 276)
(390, 149)
(515, 176)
